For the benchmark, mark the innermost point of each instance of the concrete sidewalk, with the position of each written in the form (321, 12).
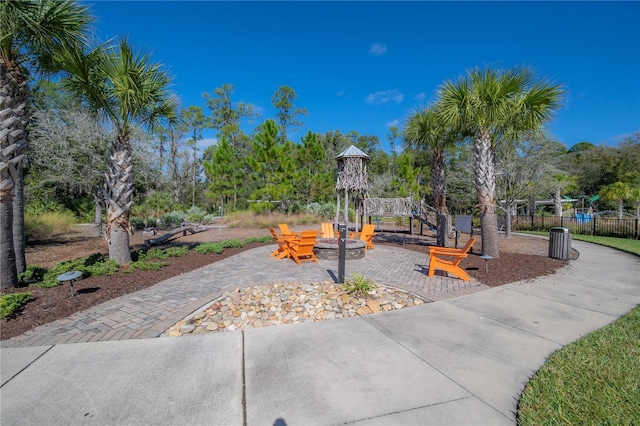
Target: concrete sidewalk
(462, 360)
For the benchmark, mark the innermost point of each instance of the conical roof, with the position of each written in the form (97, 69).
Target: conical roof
(352, 151)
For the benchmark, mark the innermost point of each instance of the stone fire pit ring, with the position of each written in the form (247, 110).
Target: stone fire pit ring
(327, 249)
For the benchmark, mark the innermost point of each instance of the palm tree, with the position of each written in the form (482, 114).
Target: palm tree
(617, 192)
(424, 131)
(31, 32)
(486, 105)
(126, 89)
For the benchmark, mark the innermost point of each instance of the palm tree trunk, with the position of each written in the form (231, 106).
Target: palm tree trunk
(13, 109)
(439, 186)
(118, 196)
(485, 180)
(19, 242)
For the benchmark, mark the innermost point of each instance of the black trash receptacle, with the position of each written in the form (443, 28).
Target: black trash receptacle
(559, 243)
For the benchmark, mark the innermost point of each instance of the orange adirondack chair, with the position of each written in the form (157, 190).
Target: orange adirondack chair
(282, 250)
(449, 265)
(284, 229)
(327, 230)
(301, 249)
(367, 234)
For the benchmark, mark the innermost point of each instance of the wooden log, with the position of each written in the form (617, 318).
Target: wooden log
(164, 238)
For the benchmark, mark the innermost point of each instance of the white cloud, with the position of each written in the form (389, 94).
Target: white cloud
(206, 142)
(378, 49)
(393, 123)
(382, 97)
(340, 92)
(420, 97)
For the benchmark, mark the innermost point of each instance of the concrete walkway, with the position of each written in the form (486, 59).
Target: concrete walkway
(459, 360)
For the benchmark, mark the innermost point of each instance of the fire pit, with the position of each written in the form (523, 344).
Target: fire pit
(327, 249)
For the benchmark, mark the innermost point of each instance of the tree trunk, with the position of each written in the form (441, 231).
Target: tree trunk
(13, 119)
(485, 181)
(118, 196)
(620, 209)
(507, 224)
(98, 213)
(557, 203)
(439, 185)
(8, 272)
(18, 220)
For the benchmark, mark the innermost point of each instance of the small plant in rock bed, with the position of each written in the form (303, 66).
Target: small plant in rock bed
(11, 303)
(358, 285)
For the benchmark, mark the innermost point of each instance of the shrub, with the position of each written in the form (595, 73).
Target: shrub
(34, 273)
(162, 254)
(358, 285)
(173, 218)
(93, 265)
(145, 265)
(195, 214)
(208, 219)
(261, 208)
(232, 243)
(138, 223)
(262, 239)
(11, 303)
(322, 210)
(205, 248)
(295, 207)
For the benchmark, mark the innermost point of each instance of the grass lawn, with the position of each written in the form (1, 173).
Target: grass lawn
(595, 380)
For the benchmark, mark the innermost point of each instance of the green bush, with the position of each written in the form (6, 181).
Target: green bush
(162, 253)
(93, 265)
(173, 218)
(232, 243)
(39, 207)
(34, 273)
(261, 208)
(262, 239)
(138, 223)
(195, 214)
(327, 210)
(208, 219)
(358, 285)
(145, 265)
(205, 248)
(157, 204)
(11, 303)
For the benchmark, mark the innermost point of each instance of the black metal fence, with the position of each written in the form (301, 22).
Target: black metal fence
(586, 224)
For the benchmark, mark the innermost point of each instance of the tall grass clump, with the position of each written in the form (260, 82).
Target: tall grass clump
(248, 219)
(48, 224)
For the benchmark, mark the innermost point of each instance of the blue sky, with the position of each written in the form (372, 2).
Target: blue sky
(364, 66)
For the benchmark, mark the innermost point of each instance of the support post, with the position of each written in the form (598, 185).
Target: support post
(342, 252)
